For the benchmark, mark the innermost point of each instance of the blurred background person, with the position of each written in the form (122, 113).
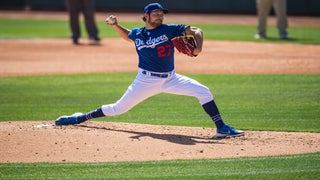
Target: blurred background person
(263, 10)
(74, 8)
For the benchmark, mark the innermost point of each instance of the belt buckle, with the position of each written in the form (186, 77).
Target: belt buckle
(164, 75)
(160, 75)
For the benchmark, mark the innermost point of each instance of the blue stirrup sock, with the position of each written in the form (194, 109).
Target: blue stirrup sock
(212, 110)
(90, 115)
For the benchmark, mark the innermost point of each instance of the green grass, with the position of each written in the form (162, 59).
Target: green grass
(303, 35)
(28, 28)
(48, 28)
(253, 102)
(280, 167)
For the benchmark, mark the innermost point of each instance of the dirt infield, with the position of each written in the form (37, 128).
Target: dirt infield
(58, 56)
(110, 142)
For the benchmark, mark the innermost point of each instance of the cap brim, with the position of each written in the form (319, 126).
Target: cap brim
(164, 10)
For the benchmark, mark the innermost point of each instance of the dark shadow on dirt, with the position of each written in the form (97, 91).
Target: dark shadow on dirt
(173, 138)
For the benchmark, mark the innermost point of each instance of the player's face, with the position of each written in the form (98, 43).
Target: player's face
(155, 18)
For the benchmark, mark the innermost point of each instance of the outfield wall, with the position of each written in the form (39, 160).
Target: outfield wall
(295, 7)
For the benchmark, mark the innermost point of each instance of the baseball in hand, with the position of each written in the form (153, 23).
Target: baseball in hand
(111, 20)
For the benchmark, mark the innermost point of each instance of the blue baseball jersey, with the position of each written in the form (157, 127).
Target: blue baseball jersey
(154, 47)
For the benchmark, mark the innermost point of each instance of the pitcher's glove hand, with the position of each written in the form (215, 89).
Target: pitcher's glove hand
(185, 45)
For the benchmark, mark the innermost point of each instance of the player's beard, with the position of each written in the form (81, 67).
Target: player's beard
(155, 23)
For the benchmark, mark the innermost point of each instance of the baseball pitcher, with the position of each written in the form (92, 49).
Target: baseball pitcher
(155, 44)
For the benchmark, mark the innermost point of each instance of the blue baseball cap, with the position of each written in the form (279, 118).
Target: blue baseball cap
(154, 7)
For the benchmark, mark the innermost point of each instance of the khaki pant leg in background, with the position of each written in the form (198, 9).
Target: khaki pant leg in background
(280, 7)
(263, 10)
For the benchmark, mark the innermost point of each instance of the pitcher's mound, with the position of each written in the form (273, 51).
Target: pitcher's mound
(109, 142)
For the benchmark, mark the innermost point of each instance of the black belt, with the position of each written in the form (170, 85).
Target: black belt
(160, 75)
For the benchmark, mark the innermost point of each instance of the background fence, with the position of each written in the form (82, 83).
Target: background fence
(295, 7)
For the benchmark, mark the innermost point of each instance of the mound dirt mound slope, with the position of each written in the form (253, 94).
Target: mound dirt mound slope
(113, 142)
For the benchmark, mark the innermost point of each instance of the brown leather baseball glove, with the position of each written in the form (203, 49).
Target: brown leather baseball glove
(185, 45)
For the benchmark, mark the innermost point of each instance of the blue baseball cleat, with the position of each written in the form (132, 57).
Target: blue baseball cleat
(68, 120)
(228, 130)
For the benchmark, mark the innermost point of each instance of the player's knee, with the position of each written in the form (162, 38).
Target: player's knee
(205, 96)
(113, 109)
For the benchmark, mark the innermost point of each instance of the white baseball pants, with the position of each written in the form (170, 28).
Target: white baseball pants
(145, 86)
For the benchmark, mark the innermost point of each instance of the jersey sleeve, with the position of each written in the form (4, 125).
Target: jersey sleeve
(179, 30)
(132, 33)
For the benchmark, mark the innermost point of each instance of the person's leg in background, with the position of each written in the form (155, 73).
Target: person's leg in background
(280, 7)
(263, 10)
(73, 7)
(88, 11)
